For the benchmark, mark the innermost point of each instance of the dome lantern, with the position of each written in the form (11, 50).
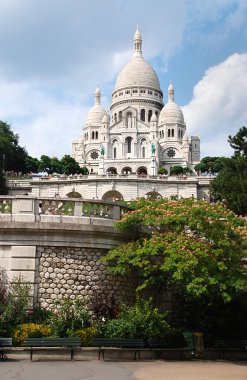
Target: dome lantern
(137, 43)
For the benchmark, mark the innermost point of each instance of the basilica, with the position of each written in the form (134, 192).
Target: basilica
(142, 133)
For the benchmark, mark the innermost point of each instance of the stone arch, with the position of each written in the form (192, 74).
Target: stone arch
(142, 170)
(112, 195)
(126, 170)
(153, 195)
(111, 170)
(74, 194)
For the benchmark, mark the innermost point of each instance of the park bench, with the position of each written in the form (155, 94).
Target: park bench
(37, 343)
(230, 345)
(157, 346)
(104, 344)
(5, 342)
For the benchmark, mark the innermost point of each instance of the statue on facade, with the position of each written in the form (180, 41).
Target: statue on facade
(102, 150)
(153, 149)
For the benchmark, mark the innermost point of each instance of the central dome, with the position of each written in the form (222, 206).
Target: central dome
(137, 72)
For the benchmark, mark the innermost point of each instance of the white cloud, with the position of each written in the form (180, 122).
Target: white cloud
(218, 107)
(45, 124)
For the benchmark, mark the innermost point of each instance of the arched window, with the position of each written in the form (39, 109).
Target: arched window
(120, 115)
(150, 112)
(157, 113)
(115, 117)
(128, 142)
(172, 132)
(92, 135)
(169, 133)
(96, 135)
(143, 152)
(142, 115)
(114, 152)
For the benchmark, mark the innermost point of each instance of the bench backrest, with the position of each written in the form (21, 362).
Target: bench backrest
(164, 343)
(52, 342)
(230, 343)
(118, 342)
(5, 342)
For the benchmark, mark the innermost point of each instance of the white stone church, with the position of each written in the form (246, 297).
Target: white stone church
(141, 134)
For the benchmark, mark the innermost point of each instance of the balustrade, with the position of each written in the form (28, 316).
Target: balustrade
(27, 205)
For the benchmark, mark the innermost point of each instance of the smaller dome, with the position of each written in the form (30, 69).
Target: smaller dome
(171, 112)
(154, 118)
(97, 112)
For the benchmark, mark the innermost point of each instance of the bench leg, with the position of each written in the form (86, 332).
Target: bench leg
(72, 354)
(31, 354)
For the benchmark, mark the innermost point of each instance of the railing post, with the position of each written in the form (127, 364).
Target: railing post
(116, 212)
(78, 209)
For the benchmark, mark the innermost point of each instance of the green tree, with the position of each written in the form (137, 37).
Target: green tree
(14, 155)
(162, 171)
(201, 167)
(188, 246)
(230, 184)
(175, 170)
(187, 171)
(239, 142)
(45, 164)
(69, 165)
(31, 165)
(55, 165)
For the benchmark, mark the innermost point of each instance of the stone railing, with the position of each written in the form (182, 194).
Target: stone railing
(27, 208)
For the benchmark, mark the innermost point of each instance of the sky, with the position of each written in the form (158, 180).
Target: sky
(53, 54)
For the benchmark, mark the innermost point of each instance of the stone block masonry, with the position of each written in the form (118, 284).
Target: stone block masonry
(76, 272)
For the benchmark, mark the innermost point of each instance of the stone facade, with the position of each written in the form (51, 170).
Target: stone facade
(76, 272)
(141, 133)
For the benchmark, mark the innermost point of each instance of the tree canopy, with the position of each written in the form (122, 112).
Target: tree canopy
(210, 165)
(231, 183)
(12, 155)
(239, 142)
(184, 245)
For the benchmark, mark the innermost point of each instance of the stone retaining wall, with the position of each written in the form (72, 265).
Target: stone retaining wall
(76, 271)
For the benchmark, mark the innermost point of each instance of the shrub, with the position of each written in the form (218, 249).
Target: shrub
(162, 171)
(138, 321)
(85, 334)
(29, 330)
(104, 304)
(69, 315)
(14, 305)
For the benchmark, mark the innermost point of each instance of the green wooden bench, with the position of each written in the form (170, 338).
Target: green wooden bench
(230, 345)
(70, 343)
(159, 345)
(135, 345)
(5, 342)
